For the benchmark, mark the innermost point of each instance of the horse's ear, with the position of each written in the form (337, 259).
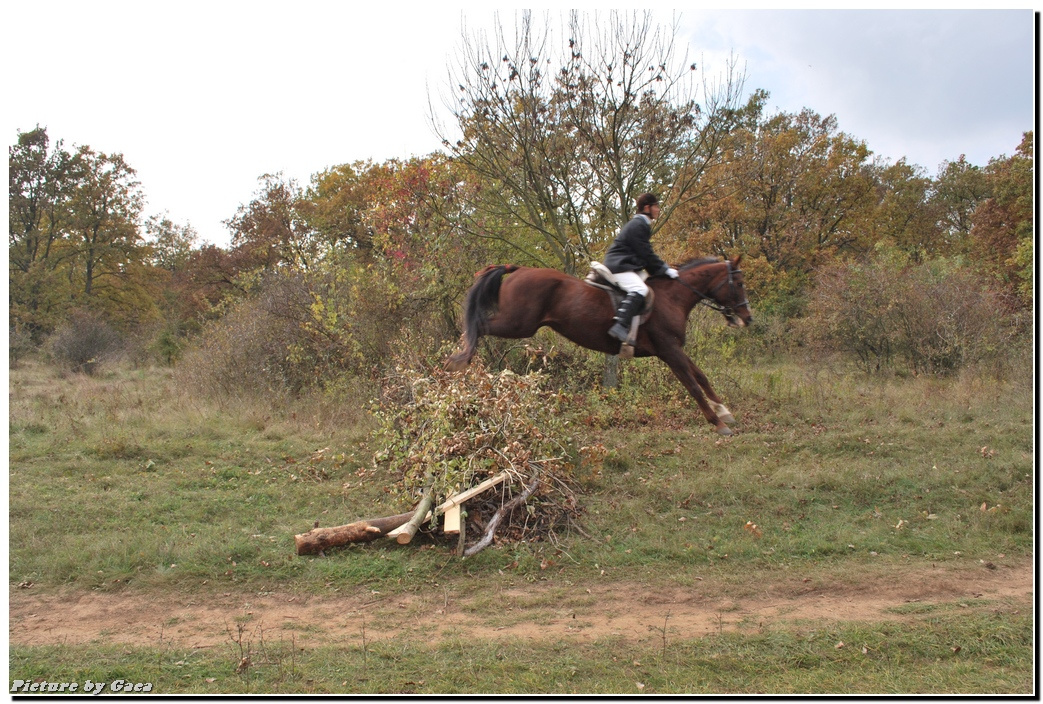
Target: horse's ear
(737, 260)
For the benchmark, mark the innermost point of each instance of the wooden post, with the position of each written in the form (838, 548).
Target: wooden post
(462, 542)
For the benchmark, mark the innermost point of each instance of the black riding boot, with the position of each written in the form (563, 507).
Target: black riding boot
(628, 308)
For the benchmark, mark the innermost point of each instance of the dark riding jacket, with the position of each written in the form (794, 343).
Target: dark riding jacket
(632, 249)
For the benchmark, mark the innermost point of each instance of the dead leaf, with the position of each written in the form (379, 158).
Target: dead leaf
(839, 645)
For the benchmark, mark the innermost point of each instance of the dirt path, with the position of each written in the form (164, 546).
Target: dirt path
(534, 611)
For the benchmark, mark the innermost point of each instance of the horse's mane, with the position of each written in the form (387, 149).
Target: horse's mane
(698, 261)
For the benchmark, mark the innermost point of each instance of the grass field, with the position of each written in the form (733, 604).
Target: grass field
(128, 492)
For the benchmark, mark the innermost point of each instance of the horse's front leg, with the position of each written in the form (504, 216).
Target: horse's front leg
(689, 374)
(715, 402)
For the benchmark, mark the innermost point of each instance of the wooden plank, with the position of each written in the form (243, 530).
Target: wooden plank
(474, 491)
(451, 524)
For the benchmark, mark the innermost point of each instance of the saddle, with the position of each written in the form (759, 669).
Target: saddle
(601, 277)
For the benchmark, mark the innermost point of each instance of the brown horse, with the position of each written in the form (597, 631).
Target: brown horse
(520, 304)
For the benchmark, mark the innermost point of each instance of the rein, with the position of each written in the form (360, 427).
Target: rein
(708, 300)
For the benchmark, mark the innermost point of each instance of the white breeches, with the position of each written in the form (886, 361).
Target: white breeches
(631, 282)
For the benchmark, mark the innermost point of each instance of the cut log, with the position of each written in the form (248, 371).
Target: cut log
(406, 532)
(318, 539)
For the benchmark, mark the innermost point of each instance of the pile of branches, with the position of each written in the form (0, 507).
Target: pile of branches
(441, 434)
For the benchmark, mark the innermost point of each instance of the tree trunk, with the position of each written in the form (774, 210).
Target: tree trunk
(318, 539)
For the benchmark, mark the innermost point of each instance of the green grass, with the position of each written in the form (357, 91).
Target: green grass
(861, 471)
(953, 654)
(123, 482)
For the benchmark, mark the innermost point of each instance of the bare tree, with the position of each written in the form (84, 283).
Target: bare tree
(565, 136)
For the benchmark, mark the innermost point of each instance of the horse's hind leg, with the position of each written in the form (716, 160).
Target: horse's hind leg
(459, 360)
(689, 375)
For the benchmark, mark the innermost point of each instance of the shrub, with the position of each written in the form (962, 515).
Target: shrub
(935, 317)
(305, 330)
(19, 344)
(285, 338)
(233, 356)
(84, 342)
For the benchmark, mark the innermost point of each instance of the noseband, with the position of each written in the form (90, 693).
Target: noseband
(710, 301)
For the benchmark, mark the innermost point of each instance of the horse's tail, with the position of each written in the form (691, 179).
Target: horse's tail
(481, 302)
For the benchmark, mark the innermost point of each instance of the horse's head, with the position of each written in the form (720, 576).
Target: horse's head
(729, 292)
(726, 292)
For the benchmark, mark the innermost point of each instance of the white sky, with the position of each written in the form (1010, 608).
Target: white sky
(204, 97)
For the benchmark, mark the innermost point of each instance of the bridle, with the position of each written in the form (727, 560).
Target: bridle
(710, 300)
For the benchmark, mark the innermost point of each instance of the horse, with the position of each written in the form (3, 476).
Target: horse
(514, 302)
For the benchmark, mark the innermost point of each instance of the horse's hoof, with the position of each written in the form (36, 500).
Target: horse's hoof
(727, 418)
(455, 365)
(724, 430)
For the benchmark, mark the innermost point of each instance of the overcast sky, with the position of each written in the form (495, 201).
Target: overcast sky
(204, 97)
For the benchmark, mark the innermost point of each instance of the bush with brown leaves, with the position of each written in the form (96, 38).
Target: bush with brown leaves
(445, 433)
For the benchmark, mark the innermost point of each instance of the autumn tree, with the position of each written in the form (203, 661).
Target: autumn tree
(1001, 233)
(959, 188)
(74, 222)
(566, 133)
(336, 206)
(38, 178)
(170, 244)
(395, 250)
(269, 231)
(105, 207)
(904, 214)
(791, 191)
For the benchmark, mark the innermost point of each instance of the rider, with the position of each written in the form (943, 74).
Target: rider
(631, 252)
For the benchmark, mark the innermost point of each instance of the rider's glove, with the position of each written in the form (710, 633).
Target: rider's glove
(672, 273)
